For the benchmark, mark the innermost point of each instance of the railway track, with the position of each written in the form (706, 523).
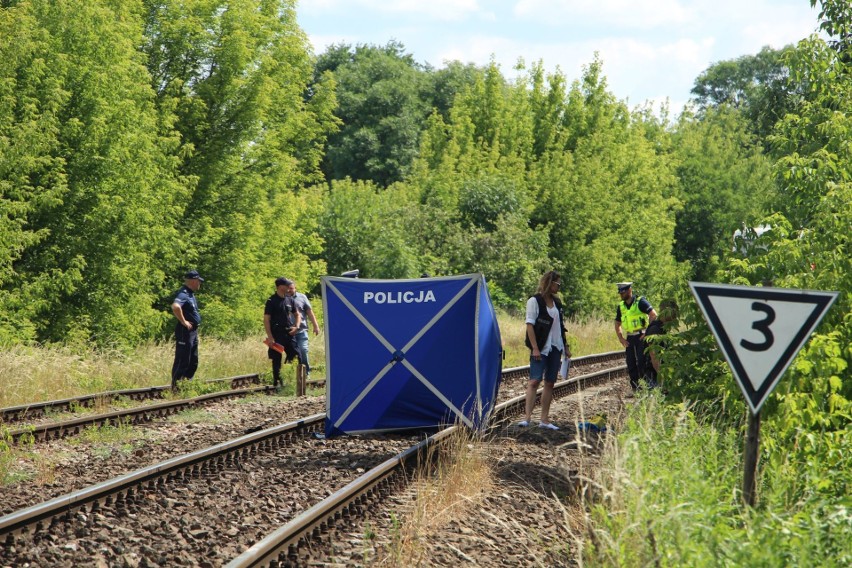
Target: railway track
(135, 415)
(37, 410)
(293, 543)
(172, 503)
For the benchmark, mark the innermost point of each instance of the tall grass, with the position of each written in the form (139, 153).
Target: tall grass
(447, 485)
(595, 335)
(671, 496)
(32, 374)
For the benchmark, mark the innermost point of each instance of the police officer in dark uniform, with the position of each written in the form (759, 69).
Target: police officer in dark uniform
(632, 317)
(185, 308)
(281, 320)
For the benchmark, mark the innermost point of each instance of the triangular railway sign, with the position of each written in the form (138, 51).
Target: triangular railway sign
(760, 330)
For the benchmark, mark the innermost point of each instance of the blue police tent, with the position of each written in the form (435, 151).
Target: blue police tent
(409, 354)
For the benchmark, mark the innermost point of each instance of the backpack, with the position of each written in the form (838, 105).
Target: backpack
(541, 327)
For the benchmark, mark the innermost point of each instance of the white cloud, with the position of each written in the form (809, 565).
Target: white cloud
(447, 10)
(436, 10)
(774, 34)
(478, 49)
(634, 14)
(321, 42)
(636, 70)
(320, 6)
(651, 49)
(657, 71)
(748, 26)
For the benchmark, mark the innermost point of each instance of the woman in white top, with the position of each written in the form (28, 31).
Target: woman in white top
(546, 341)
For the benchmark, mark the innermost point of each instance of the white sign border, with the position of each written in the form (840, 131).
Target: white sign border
(822, 301)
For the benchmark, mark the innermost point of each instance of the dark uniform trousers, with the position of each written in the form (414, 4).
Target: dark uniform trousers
(635, 355)
(186, 354)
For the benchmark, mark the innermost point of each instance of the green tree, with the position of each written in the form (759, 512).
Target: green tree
(382, 108)
(807, 419)
(234, 78)
(512, 256)
(757, 85)
(609, 196)
(484, 199)
(31, 171)
(82, 109)
(449, 82)
(814, 405)
(725, 181)
(140, 138)
(367, 228)
(575, 166)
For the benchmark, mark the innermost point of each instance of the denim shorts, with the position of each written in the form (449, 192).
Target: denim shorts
(547, 366)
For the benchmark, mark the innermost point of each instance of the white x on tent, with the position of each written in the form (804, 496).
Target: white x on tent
(409, 354)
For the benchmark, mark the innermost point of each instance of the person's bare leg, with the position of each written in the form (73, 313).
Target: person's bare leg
(532, 387)
(546, 397)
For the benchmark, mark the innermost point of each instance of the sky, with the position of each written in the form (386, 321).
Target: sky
(651, 50)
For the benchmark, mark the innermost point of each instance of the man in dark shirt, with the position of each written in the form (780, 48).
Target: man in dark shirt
(281, 320)
(185, 309)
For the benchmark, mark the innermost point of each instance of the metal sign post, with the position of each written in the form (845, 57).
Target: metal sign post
(750, 458)
(760, 331)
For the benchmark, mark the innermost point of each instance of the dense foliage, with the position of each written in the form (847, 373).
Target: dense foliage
(757, 86)
(806, 421)
(140, 138)
(514, 179)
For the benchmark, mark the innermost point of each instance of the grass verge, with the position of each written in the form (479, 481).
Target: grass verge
(671, 496)
(33, 374)
(585, 337)
(447, 485)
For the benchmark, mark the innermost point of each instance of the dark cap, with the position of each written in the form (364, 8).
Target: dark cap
(193, 275)
(622, 286)
(281, 281)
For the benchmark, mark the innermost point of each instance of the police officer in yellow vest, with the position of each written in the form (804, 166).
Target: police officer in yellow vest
(632, 316)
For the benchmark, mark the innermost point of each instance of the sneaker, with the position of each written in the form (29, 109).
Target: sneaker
(523, 423)
(548, 426)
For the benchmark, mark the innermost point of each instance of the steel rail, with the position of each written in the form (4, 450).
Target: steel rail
(123, 487)
(137, 415)
(290, 540)
(289, 544)
(514, 407)
(523, 371)
(39, 409)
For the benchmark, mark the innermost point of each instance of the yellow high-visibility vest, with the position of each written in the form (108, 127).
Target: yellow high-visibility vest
(632, 319)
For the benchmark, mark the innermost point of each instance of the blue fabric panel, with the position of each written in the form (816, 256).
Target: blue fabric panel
(445, 355)
(490, 347)
(355, 355)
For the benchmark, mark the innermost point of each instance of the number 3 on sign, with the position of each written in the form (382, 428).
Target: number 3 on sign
(763, 327)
